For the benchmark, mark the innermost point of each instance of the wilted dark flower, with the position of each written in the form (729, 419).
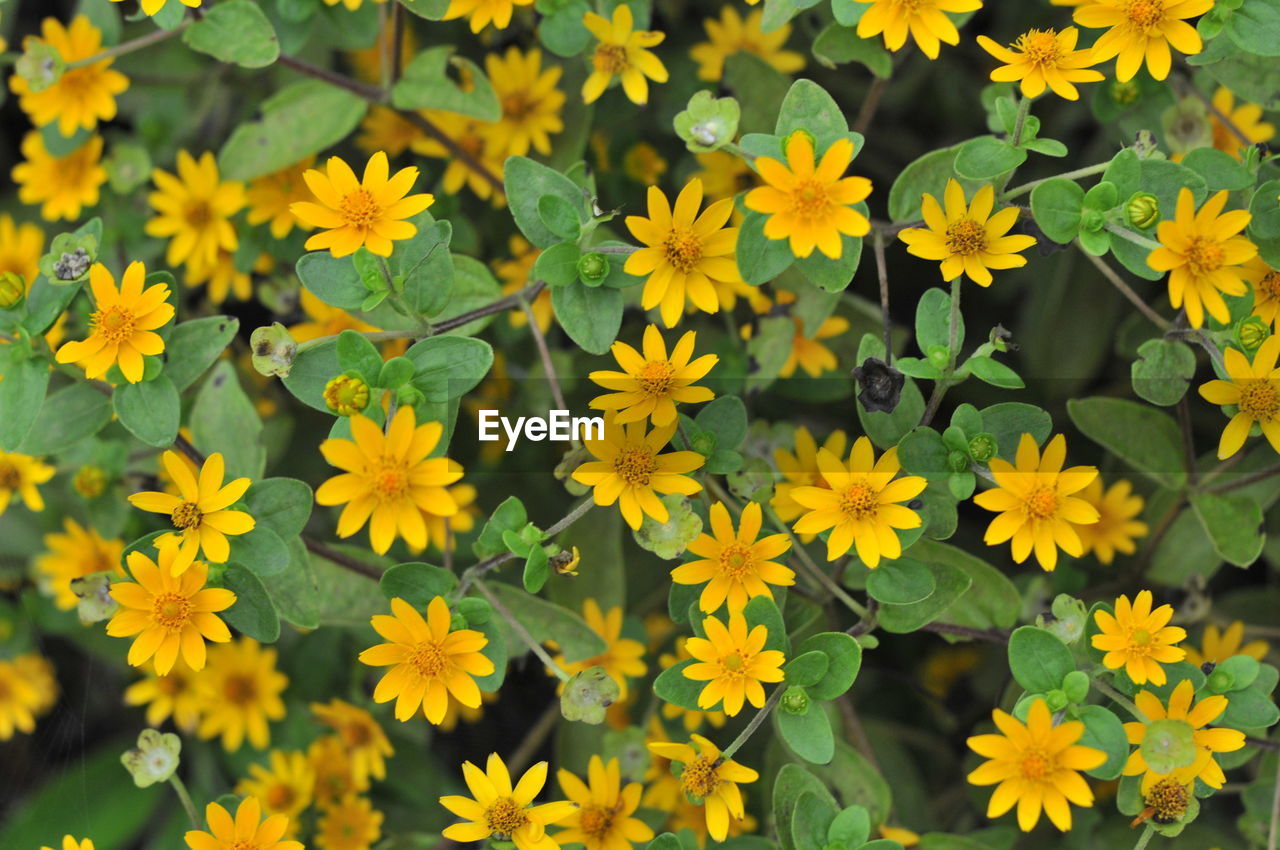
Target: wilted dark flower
(881, 385)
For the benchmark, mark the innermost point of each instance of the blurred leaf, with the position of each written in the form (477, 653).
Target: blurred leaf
(224, 420)
(426, 84)
(1146, 439)
(297, 121)
(234, 31)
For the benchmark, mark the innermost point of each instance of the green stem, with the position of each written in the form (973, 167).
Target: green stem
(1145, 837)
(1024, 109)
(131, 45)
(746, 734)
(1135, 238)
(813, 570)
(1087, 171)
(941, 386)
(1124, 289)
(476, 571)
(1119, 698)
(521, 632)
(183, 795)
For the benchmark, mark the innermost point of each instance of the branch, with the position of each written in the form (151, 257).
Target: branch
(1125, 290)
(988, 635)
(877, 243)
(521, 632)
(341, 559)
(544, 354)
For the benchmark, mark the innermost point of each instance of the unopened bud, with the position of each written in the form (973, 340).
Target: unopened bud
(1125, 94)
(41, 66)
(346, 395)
(90, 481)
(94, 593)
(593, 267)
(12, 290)
(410, 396)
(1056, 700)
(982, 447)
(704, 443)
(1092, 221)
(588, 694)
(1076, 686)
(154, 759)
(957, 461)
(272, 350)
(1252, 332)
(939, 356)
(1143, 210)
(795, 700)
(1220, 681)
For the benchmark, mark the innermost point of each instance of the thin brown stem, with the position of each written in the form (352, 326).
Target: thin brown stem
(1118, 282)
(131, 45)
(1246, 480)
(342, 559)
(867, 112)
(544, 353)
(521, 632)
(877, 244)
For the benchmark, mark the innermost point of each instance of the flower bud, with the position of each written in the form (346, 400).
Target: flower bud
(1251, 333)
(154, 759)
(12, 290)
(1143, 210)
(1168, 799)
(957, 461)
(41, 65)
(565, 563)
(1168, 745)
(982, 447)
(588, 694)
(273, 349)
(346, 395)
(1220, 681)
(1056, 699)
(795, 700)
(410, 396)
(704, 443)
(95, 603)
(708, 123)
(593, 268)
(1076, 686)
(1125, 94)
(881, 385)
(90, 481)
(1092, 221)
(939, 356)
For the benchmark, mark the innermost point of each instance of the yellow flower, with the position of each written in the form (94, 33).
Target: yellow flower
(74, 553)
(691, 719)
(690, 816)
(324, 320)
(171, 615)
(150, 7)
(1254, 389)
(82, 96)
(733, 662)
(683, 251)
(1041, 58)
(622, 657)
(223, 278)
(472, 136)
(862, 505)
(643, 164)
(1036, 765)
(709, 779)
(385, 129)
(725, 175)
(1218, 646)
(650, 384)
(515, 276)
(1116, 528)
(70, 843)
(622, 52)
(459, 712)
(362, 736)
(19, 475)
(201, 514)
(481, 12)
(801, 470)
(62, 186)
(603, 818)
(247, 831)
(905, 837)
(194, 209)
(21, 246)
(924, 19)
(351, 5)
(496, 809)
(811, 205)
(284, 788)
(123, 324)
(531, 103)
(270, 198)
(368, 212)
(1202, 251)
(1037, 502)
(1247, 118)
(731, 34)
(1264, 280)
(443, 531)
(808, 353)
(332, 765)
(429, 660)
(943, 668)
(239, 693)
(351, 824)
(19, 701)
(1143, 30)
(1197, 714)
(735, 565)
(171, 695)
(631, 469)
(967, 238)
(1139, 639)
(388, 480)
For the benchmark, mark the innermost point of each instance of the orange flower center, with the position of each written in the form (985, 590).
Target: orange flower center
(428, 659)
(360, 208)
(10, 477)
(1204, 255)
(700, 777)
(186, 515)
(1269, 286)
(115, 323)
(1042, 503)
(517, 105)
(737, 560)
(198, 214)
(1040, 47)
(656, 377)
(505, 817)
(683, 250)
(596, 821)
(280, 798)
(1141, 637)
(610, 58)
(171, 611)
(1258, 400)
(809, 200)
(170, 685)
(356, 734)
(733, 662)
(1144, 14)
(389, 483)
(240, 689)
(1036, 765)
(966, 237)
(635, 465)
(858, 501)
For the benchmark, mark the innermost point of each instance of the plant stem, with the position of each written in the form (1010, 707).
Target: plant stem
(763, 713)
(870, 104)
(1024, 109)
(534, 738)
(877, 244)
(1145, 837)
(185, 797)
(545, 354)
(333, 556)
(1125, 290)
(1273, 835)
(126, 47)
(1119, 698)
(612, 249)
(1136, 238)
(1246, 480)
(473, 573)
(815, 572)
(941, 386)
(1087, 171)
(521, 632)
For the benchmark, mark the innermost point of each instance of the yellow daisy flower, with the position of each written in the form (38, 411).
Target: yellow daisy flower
(497, 809)
(730, 34)
(808, 353)
(1143, 30)
(1044, 58)
(249, 830)
(735, 565)
(19, 701)
(223, 278)
(172, 615)
(429, 660)
(733, 662)
(683, 252)
(709, 779)
(75, 552)
(1197, 714)
(62, 186)
(1264, 280)
(239, 693)
(351, 824)
(323, 320)
(40, 674)
(604, 815)
(19, 475)
(443, 531)
(479, 13)
(967, 238)
(724, 175)
(474, 137)
(531, 103)
(810, 205)
(1247, 118)
(368, 212)
(622, 658)
(651, 384)
(1038, 502)
(1218, 646)
(903, 836)
(515, 276)
(194, 210)
(283, 788)
(332, 765)
(21, 247)
(171, 695)
(150, 7)
(1202, 251)
(1254, 389)
(1035, 766)
(801, 470)
(1139, 639)
(71, 843)
(622, 52)
(123, 325)
(1116, 528)
(271, 197)
(385, 129)
(861, 503)
(361, 735)
(926, 20)
(82, 96)
(388, 480)
(201, 514)
(631, 469)
(690, 719)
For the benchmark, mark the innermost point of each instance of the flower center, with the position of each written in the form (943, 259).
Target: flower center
(610, 58)
(505, 817)
(683, 250)
(966, 237)
(356, 734)
(1141, 637)
(1042, 503)
(10, 477)
(1036, 765)
(1269, 286)
(1144, 14)
(517, 105)
(733, 662)
(429, 660)
(389, 482)
(280, 798)
(809, 200)
(360, 208)
(1040, 47)
(115, 323)
(1169, 799)
(170, 685)
(240, 690)
(737, 560)
(858, 501)
(635, 465)
(198, 214)
(656, 377)
(1204, 255)
(1258, 399)
(186, 515)
(171, 611)
(596, 821)
(700, 777)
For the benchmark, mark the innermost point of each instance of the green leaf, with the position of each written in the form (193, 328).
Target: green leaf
(560, 216)
(814, 812)
(760, 258)
(987, 157)
(591, 316)
(235, 31)
(900, 582)
(356, 353)
(562, 31)
(417, 583)
(557, 265)
(294, 590)
(150, 410)
(1265, 211)
(927, 175)
(1234, 525)
(46, 302)
(331, 279)
(280, 504)
(1141, 436)
(1104, 731)
(526, 183)
(760, 89)
(195, 345)
(992, 600)
(1165, 179)
(950, 584)
(805, 669)
(1163, 371)
(67, 416)
(535, 569)
(674, 687)
(933, 321)
(1038, 660)
(252, 614)
(449, 367)
(838, 44)
(791, 783)
(508, 516)
(224, 420)
(474, 286)
(1255, 27)
(763, 611)
(1009, 420)
(297, 121)
(1219, 170)
(726, 417)
(993, 372)
(851, 827)
(312, 369)
(807, 106)
(426, 84)
(844, 660)
(834, 275)
(261, 550)
(809, 736)
(433, 10)
(22, 392)
(546, 621)
(1250, 708)
(425, 266)
(1056, 206)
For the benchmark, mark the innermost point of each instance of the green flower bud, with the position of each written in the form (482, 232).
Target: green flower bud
(1220, 681)
(12, 290)
(1251, 333)
(1092, 221)
(1143, 210)
(1076, 686)
(1056, 699)
(1125, 94)
(669, 539)
(939, 356)
(41, 65)
(588, 694)
(90, 481)
(593, 267)
(982, 447)
(704, 443)
(1168, 745)
(457, 621)
(94, 593)
(154, 759)
(272, 350)
(957, 461)
(795, 701)
(410, 396)
(708, 123)
(346, 395)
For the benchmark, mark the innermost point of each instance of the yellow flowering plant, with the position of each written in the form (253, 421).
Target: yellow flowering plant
(616, 417)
